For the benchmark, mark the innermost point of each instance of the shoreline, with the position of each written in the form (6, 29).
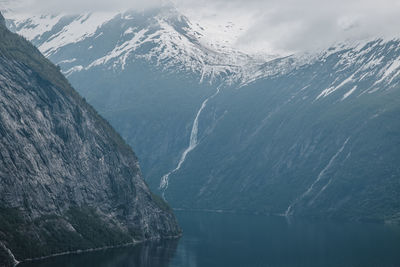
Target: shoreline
(391, 221)
(82, 251)
(10, 254)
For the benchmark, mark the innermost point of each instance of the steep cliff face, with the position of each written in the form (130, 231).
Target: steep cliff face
(67, 179)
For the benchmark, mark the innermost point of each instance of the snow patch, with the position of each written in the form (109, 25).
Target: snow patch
(121, 52)
(346, 95)
(332, 89)
(72, 70)
(67, 61)
(82, 27)
(32, 27)
(386, 73)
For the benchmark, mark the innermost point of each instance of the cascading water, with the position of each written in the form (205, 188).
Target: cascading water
(289, 210)
(192, 144)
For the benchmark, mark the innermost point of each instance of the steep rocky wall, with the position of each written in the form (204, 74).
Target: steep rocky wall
(67, 180)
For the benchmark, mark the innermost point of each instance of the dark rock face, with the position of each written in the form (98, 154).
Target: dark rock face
(2, 20)
(67, 179)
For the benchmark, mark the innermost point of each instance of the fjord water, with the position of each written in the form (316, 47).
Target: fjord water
(223, 239)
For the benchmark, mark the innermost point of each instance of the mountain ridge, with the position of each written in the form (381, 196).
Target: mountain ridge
(68, 181)
(164, 37)
(276, 137)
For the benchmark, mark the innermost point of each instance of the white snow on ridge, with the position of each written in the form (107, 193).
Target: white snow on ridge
(72, 70)
(387, 72)
(121, 52)
(346, 95)
(33, 27)
(188, 48)
(332, 89)
(207, 47)
(67, 61)
(83, 27)
(130, 30)
(365, 60)
(172, 48)
(206, 50)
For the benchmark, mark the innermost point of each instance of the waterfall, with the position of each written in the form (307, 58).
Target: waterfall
(192, 144)
(10, 254)
(289, 210)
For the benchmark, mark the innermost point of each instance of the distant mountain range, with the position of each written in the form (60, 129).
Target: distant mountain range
(218, 129)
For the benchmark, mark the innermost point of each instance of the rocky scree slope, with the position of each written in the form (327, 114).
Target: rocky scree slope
(68, 181)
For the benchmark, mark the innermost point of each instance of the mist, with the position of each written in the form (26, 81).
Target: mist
(270, 26)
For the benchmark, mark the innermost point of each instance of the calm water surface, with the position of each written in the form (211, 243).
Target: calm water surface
(232, 240)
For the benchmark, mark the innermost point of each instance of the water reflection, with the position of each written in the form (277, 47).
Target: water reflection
(149, 254)
(214, 240)
(233, 240)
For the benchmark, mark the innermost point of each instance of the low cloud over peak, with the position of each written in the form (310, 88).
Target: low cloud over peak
(272, 26)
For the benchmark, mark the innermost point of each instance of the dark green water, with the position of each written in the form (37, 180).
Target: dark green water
(231, 240)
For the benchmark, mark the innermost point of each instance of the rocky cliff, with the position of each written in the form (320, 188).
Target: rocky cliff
(67, 180)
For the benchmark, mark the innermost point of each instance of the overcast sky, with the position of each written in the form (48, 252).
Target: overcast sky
(274, 25)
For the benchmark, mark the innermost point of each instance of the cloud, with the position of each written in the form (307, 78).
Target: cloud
(273, 26)
(316, 24)
(290, 26)
(77, 6)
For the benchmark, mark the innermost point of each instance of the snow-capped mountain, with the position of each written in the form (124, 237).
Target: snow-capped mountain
(215, 128)
(163, 36)
(167, 39)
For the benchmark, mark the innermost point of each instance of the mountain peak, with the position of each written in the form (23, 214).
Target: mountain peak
(164, 36)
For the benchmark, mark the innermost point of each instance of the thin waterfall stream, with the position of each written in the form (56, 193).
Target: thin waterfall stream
(192, 144)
